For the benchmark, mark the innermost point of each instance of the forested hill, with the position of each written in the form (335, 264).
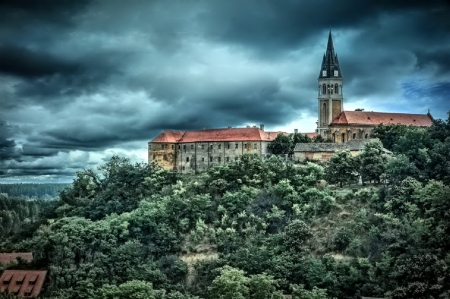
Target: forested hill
(252, 229)
(33, 191)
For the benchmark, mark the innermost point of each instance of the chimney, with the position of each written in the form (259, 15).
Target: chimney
(295, 131)
(261, 127)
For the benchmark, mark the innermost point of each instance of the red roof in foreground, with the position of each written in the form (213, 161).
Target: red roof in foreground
(11, 257)
(22, 283)
(228, 134)
(377, 118)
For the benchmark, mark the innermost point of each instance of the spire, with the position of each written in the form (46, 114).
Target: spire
(330, 42)
(330, 64)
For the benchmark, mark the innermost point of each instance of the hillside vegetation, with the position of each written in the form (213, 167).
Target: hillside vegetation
(253, 228)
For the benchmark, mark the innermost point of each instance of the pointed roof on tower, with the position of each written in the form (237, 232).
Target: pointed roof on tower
(330, 62)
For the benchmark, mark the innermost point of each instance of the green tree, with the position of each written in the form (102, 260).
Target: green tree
(134, 289)
(341, 168)
(399, 168)
(230, 284)
(282, 144)
(298, 292)
(372, 161)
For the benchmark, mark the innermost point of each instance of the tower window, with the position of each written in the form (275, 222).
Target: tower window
(324, 73)
(324, 114)
(336, 73)
(324, 89)
(336, 88)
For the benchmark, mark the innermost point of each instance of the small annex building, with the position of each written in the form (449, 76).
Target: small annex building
(22, 283)
(197, 151)
(324, 151)
(11, 257)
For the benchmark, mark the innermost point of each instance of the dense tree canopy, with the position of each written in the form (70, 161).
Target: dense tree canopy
(250, 229)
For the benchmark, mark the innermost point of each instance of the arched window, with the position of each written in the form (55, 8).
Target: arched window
(343, 137)
(324, 114)
(367, 136)
(354, 135)
(336, 88)
(324, 89)
(320, 90)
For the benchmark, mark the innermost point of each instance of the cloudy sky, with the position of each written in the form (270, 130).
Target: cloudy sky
(83, 80)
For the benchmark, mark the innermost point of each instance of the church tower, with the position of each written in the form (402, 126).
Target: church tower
(330, 96)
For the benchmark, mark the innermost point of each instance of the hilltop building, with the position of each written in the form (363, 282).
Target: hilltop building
(341, 126)
(196, 151)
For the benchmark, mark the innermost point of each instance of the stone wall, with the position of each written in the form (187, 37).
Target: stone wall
(321, 156)
(200, 156)
(350, 133)
(164, 154)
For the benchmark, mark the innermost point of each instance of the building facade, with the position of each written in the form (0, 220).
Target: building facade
(339, 126)
(197, 151)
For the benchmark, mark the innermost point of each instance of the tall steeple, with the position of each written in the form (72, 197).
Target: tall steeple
(330, 93)
(330, 62)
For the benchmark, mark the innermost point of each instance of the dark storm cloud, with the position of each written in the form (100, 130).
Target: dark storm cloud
(268, 26)
(7, 145)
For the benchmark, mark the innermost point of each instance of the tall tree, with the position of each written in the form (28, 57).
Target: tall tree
(341, 168)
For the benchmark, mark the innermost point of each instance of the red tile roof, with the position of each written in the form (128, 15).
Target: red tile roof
(310, 135)
(168, 137)
(214, 135)
(22, 283)
(377, 118)
(11, 257)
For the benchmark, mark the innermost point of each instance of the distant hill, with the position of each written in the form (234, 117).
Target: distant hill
(33, 191)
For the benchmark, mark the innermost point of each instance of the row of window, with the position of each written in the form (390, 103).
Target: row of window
(330, 89)
(366, 136)
(211, 146)
(219, 159)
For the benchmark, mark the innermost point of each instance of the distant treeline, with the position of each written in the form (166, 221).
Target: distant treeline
(35, 191)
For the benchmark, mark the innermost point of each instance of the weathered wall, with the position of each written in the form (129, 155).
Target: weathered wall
(321, 156)
(164, 154)
(200, 156)
(361, 132)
